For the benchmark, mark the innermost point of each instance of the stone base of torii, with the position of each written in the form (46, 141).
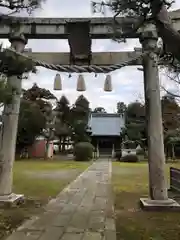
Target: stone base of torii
(158, 193)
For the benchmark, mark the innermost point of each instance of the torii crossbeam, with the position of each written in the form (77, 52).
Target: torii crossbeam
(55, 28)
(98, 58)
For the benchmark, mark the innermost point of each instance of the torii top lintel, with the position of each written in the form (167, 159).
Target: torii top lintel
(55, 28)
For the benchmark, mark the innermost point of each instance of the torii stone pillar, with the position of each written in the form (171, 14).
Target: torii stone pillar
(156, 158)
(9, 131)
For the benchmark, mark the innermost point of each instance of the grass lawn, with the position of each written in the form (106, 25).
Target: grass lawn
(43, 187)
(44, 182)
(130, 182)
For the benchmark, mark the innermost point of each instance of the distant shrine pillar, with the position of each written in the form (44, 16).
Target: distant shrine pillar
(156, 156)
(113, 151)
(97, 150)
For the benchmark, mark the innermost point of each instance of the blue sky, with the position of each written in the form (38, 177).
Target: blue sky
(127, 82)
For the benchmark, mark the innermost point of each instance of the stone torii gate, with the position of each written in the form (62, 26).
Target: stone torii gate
(100, 29)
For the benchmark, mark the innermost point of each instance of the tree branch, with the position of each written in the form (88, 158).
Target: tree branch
(147, 11)
(170, 93)
(119, 35)
(18, 5)
(173, 76)
(170, 37)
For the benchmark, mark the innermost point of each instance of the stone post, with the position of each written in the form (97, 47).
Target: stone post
(97, 150)
(10, 124)
(113, 151)
(156, 157)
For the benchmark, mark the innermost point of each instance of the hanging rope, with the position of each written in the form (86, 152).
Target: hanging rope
(90, 68)
(80, 69)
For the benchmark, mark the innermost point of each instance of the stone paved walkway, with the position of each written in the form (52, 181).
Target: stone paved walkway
(82, 211)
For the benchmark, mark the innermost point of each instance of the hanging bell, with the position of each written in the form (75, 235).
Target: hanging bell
(108, 84)
(57, 82)
(81, 84)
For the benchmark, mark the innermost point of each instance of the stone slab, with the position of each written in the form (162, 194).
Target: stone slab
(11, 199)
(96, 224)
(74, 230)
(79, 221)
(25, 236)
(72, 236)
(110, 224)
(54, 233)
(62, 220)
(69, 208)
(99, 203)
(92, 236)
(109, 235)
(38, 223)
(159, 205)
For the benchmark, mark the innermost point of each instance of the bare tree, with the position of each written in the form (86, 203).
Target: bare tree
(19, 5)
(170, 85)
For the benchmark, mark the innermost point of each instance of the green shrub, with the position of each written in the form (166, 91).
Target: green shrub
(130, 158)
(83, 151)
